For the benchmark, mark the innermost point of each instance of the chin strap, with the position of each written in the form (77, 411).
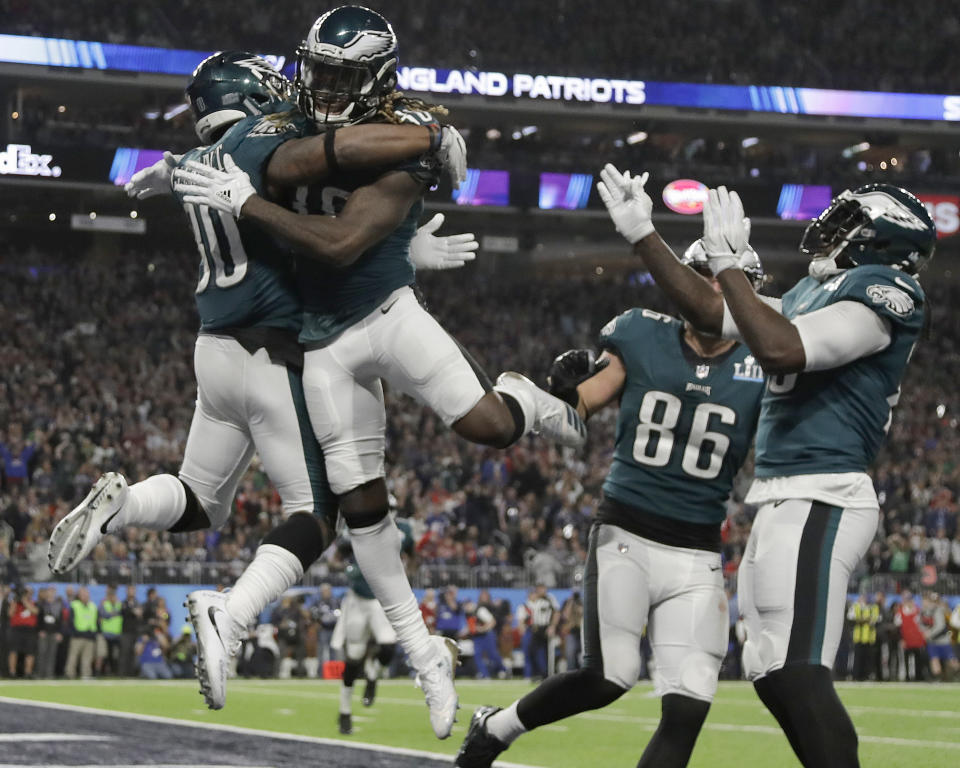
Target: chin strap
(823, 268)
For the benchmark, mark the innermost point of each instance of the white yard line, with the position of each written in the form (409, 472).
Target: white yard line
(20, 737)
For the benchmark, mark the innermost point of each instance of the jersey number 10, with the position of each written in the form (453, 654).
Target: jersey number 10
(221, 250)
(700, 441)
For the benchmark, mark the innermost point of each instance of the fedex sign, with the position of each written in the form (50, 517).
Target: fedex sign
(945, 210)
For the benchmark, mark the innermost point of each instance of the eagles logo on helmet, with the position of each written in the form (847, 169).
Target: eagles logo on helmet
(874, 224)
(346, 67)
(231, 85)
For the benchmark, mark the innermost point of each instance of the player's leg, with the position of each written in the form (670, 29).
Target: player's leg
(356, 627)
(805, 553)
(688, 632)
(386, 644)
(218, 450)
(418, 357)
(273, 405)
(345, 403)
(612, 627)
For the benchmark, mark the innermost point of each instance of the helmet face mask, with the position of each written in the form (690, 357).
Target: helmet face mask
(695, 257)
(231, 85)
(346, 66)
(874, 224)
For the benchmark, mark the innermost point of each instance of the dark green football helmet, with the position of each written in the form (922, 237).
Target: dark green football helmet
(874, 224)
(346, 66)
(231, 85)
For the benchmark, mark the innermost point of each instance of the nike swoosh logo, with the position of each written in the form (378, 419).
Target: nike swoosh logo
(103, 528)
(211, 614)
(389, 306)
(778, 503)
(714, 567)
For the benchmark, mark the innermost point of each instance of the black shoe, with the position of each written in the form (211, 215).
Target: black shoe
(479, 749)
(346, 724)
(369, 693)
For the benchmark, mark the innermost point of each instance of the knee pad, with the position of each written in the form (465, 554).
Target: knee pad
(351, 671)
(385, 654)
(753, 666)
(303, 535)
(698, 678)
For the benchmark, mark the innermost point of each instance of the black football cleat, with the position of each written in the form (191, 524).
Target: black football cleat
(479, 749)
(369, 693)
(346, 724)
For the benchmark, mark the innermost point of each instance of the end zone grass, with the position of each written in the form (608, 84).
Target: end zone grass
(900, 725)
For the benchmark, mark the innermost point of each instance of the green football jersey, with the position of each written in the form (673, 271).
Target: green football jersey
(335, 299)
(686, 423)
(355, 579)
(835, 420)
(245, 274)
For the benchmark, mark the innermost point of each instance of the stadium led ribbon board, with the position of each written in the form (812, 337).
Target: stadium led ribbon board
(45, 51)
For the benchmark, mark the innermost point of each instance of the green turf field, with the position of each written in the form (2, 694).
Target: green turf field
(900, 725)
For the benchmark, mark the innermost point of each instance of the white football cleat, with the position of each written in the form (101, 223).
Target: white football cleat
(546, 415)
(218, 638)
(80, 531)
(436, 681)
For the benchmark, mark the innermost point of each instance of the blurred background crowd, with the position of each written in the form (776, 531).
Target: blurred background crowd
(743, 42)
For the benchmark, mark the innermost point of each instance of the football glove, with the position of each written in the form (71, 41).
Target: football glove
(570, 369)
(726, 232)
(627, 202)
(153, 181)
(452, 154)
(427, 251)
(225, 190)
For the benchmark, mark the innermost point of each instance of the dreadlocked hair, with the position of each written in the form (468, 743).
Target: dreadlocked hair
(396, 100)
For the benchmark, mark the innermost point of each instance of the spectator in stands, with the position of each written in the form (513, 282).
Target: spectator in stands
(325, 613)
(132, 627)
(182, 653)
(570, 621)
(451, 621)
(111, 630)
(484, 635)
(23, 616)
(428, 609)
(152, 655)
(83, 634)
(936, 628)
(48, 635)
(912, 640)
(865, 617)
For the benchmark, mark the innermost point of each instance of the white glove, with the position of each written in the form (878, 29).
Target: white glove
(430, 252)
(453, 155)
(153, 181)
(726, 232)
(225, 190)
(629, 205)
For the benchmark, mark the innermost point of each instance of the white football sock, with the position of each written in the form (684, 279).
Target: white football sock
(273, 571)
(346, 694)
(376, 549)
(505, 725)
(156, 504)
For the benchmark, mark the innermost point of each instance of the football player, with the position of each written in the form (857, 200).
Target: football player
(363, 623)
(362, 321)
(688, 404)
(247, 359)
(834, 349)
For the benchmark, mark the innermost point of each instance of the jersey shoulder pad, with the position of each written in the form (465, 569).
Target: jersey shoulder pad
(889, 292)
(635, 325)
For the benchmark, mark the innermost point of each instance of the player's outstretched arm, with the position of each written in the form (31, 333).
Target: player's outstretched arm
(631, 208)
(308, 160)
(371, 213)
(772, 338)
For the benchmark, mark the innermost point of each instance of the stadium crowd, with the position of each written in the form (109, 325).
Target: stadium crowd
(740, 41)
(78, 397)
